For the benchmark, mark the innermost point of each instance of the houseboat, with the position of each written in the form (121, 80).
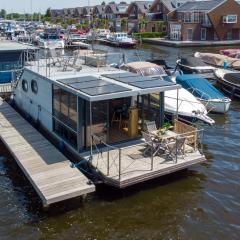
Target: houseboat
(101, 113)
(13, 56)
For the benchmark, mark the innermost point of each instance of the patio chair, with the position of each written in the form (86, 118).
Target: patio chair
(153, 145)
(175, 148)
(71, 62)
(151, 127)
(55, 57)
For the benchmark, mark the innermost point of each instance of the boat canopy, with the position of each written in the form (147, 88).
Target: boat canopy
(199, 87)
(193, 62)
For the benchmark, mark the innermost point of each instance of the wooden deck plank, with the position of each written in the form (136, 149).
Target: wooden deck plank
(47, 169)
(137, 170)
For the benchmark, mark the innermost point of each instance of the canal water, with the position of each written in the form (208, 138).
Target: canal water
(200, 203)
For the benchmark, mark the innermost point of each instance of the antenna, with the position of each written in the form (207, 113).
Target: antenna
(31, 10)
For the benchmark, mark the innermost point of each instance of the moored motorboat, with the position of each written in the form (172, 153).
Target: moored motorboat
(219, 60)
(232, 52)
(212, 98)
(229, 82)
(50, 39)
(77, 41)
(121, 39)
(179, 101)
(192, 65)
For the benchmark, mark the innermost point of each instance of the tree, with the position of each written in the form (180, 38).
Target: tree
(3, 13)
(103, 3)
(48, 12)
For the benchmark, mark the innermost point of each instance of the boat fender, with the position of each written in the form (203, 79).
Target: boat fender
(61, 146)
(225, 64)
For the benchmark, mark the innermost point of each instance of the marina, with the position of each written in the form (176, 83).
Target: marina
(120, 121)
(211, 139)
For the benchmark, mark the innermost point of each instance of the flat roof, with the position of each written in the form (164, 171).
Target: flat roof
(99, 83)
(14, 46)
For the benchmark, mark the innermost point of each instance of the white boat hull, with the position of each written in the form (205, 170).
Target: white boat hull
(216, 105)
(58, 44)
(188, 105)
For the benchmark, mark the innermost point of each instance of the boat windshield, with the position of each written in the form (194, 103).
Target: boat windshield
(152, 71)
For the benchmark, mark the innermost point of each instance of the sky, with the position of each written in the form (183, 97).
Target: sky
(22, 6)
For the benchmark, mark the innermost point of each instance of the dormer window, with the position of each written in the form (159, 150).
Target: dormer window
(230, 19)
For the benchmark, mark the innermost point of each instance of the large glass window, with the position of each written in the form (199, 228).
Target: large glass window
(65, 115)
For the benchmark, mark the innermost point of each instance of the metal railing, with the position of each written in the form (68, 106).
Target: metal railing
(113, 156)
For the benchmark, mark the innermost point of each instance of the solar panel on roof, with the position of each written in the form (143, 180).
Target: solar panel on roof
(132, 79)
(78, 79)
(82, 85)
(152, 84)
(93, 86)
(120, 75)
(107, 89)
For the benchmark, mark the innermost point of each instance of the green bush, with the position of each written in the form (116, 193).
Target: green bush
(149, 35)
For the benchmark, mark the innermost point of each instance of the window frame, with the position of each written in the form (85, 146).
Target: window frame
(35, 91)
(25, 85)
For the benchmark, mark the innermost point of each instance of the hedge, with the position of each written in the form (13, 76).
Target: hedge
(149, 35)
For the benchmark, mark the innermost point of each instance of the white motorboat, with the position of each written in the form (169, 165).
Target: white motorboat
(102, 33)
(211, 97)
(121, 39)
(176, 101)
(77, 41)
(50, 39)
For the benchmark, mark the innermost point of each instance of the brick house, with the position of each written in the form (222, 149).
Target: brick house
(56, 13)
(205, 20)
(115, 13)
(137, 12)
(78, 14)
(99, 11)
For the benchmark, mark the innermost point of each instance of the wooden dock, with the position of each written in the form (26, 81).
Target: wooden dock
(47, 169)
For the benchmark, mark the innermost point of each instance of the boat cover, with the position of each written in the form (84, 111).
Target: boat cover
(5, 77)
(233, 78)
(218, 59)
(199, 87)
(193, 62)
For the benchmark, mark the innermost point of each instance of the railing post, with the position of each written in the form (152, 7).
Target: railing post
(176, 150)
(107, 160)
(152, 156)
(120, 156)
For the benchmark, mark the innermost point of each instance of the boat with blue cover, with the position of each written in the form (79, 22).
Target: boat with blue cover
(212, 98)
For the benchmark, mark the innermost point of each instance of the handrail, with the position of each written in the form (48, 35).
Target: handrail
(193, 136)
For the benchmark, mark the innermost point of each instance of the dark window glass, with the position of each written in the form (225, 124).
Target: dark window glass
(56, 101)
(24, 85)
(65, 115)
(66, 133)
(34, 86)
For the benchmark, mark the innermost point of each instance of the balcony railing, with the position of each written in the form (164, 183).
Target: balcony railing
(115, 161)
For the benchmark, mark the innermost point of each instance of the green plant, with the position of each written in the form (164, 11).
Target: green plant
(167, 125)
(149, 35)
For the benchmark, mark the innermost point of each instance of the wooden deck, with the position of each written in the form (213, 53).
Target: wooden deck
(45, 167)
(135, 167)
